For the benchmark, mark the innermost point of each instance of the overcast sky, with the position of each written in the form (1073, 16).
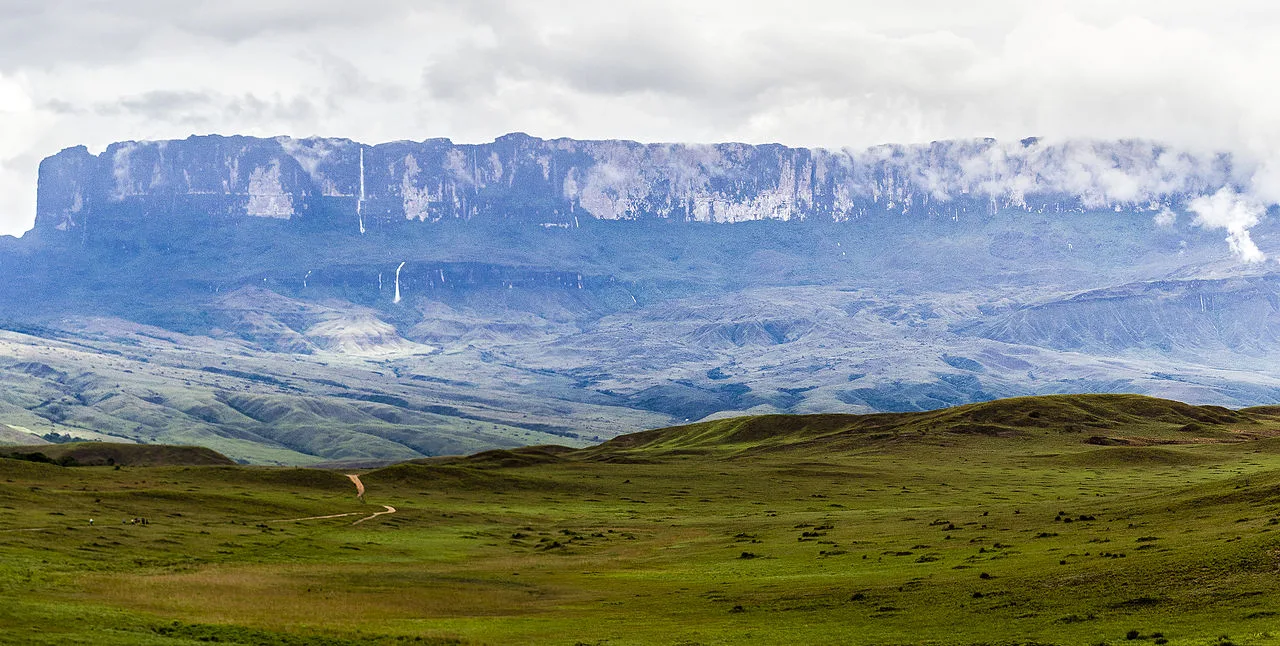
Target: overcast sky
(802, 72)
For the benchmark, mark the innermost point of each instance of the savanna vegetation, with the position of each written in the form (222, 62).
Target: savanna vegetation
(1052, 520)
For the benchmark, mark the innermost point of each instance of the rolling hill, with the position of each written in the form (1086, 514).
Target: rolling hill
(92, 454)
(992, 523)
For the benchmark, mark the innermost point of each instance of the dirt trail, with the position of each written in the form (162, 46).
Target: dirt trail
(294, 520)
(388, 509)
(355, 479)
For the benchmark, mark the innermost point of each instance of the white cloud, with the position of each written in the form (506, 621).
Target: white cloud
(1235, 214)
(810, 72)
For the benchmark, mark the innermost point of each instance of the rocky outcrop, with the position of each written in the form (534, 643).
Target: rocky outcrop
(342, 184)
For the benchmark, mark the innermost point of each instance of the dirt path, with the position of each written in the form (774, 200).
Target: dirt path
(355, 479)
(294, 520)
(388, 509)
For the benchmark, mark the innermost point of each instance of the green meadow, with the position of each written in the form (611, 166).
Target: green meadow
(1052, 520)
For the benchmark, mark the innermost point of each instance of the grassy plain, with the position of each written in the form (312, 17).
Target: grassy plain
(1059, 520)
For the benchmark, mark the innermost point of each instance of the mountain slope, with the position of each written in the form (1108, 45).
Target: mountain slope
(1063, 419)
(1186, 317)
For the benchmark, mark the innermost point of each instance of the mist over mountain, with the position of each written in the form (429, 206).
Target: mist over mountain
(286, 300)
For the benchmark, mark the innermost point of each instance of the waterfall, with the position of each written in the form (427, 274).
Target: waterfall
(397, 298)
(360, 199)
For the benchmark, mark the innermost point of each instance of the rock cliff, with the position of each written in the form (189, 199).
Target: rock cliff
(338, 183)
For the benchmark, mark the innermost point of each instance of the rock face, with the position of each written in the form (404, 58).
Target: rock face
(338, 183)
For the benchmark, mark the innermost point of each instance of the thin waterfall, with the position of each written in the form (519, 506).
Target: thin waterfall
(397, 298)
(360, 199)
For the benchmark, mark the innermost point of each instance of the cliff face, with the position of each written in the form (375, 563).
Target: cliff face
(343, 184)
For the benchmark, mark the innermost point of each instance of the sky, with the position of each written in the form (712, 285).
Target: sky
(804, 72)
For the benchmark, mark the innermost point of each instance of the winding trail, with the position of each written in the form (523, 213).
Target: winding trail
(388, 509)
(355, 479)
(294, 520)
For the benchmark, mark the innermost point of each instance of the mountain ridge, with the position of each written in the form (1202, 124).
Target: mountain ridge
(341, 183)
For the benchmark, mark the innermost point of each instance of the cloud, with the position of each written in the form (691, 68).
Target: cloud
(1235, 214)
(55, 32)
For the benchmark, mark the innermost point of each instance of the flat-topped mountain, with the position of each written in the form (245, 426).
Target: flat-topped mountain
(344, 184)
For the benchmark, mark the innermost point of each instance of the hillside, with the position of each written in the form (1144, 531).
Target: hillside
(1049, 421)
(13, 436)
(1105, 420)
(94, 454)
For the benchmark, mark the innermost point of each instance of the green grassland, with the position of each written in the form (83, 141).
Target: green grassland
(1051, 520)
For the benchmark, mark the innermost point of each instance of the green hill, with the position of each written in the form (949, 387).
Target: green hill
(1067, 419)
(107, 454)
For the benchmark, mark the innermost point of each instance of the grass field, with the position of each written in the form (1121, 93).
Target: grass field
(1060, 520)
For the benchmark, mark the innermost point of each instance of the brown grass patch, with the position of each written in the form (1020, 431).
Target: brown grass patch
(348, 595)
